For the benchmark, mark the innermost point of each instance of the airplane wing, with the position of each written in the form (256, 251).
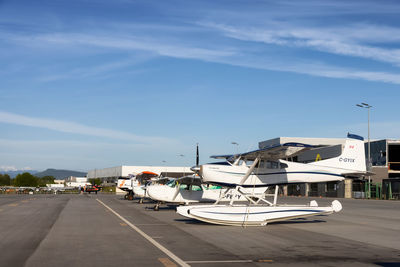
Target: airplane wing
(224, 156)
(272, 153)
(149, 173)
(160, 180)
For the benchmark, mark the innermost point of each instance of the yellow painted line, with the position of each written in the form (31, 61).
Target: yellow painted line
(13, 205)
(123, 224)
(167, 262)
(147, 237)
(1, 209)
(264, 261)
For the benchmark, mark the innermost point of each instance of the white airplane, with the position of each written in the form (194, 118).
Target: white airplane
(141, 190)
(134, 182)
(126, 184)
(268, 168)
(190, 189)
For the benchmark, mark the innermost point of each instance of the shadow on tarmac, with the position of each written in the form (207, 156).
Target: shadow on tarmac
(294, 221)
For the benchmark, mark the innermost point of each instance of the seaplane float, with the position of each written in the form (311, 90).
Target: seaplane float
(269, 168)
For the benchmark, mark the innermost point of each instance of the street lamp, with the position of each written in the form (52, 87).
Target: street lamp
(237, 146)
(367, 106)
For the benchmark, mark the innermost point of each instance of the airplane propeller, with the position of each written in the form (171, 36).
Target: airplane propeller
(196, 169)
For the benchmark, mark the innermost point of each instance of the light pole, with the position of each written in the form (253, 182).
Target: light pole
(237, 146)
(367, 106)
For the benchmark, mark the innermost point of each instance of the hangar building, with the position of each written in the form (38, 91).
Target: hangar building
(112, 174)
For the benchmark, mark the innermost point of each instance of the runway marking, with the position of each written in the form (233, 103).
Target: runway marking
(157, 237)
(13, 205)
(222, 261)
(123, 224)
(264, 261)
(151, 240)
(1, 209)
(167, 262)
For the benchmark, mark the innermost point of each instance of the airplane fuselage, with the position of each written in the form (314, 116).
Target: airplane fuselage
(231, 175)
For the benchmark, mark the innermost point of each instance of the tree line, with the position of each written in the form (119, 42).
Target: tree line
(26, 179)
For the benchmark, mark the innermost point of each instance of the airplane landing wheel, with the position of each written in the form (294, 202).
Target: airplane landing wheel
(156, 207)
(141, 201)
(130, 197)
(126, 196)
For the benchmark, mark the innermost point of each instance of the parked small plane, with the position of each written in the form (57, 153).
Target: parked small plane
(125, 184)
(134, 182)
(191, 189)
(267, 169)
(141, 190)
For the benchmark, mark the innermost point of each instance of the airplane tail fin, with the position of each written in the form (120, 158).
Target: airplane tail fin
(352, 159)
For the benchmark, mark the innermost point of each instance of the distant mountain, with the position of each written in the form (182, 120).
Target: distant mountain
(60, 174)
(15, 173)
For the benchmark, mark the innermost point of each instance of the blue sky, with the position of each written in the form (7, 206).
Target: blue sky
(92, 83)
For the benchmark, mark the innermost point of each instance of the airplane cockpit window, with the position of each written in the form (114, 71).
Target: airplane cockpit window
(171, 183)
(242, 162)
(283, 165)
(195, 188)
(249, 162)
(272, 165)
(261, 164)
(184, 186)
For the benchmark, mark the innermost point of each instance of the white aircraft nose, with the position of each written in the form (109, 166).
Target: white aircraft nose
(154, 191)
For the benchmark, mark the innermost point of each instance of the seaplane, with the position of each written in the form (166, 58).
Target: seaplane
(269, 167)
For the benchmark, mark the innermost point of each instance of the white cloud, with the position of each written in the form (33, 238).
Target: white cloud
(340, 41)
(233, 56)
(102, 70)
(76, 128)
(315, 69)
(160, 47)
(8, 168)
(352, 41)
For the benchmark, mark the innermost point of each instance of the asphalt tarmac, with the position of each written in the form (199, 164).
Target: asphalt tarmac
(106, 230)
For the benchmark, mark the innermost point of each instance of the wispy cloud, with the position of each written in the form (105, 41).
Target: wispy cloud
(103, 70)
(340, 41)
(160, 47)
(237, 56)
(76, 128)
(227, 35)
